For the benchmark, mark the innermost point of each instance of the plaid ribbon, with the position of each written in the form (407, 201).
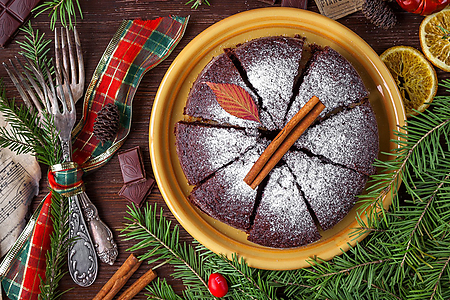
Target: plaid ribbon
(137, 47)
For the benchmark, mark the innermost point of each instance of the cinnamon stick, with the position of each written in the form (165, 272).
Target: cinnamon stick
(284, 141)
(118, 280)
(138, 285)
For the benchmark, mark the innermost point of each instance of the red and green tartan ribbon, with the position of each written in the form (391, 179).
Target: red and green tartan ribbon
(137, 47)
(65, 179)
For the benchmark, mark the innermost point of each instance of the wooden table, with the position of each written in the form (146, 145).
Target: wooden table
(101, 20)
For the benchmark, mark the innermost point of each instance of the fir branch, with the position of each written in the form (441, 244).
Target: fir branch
(64, 11)
(439, 278)
(36, 48)
(420, 219)
(378, 261)
(27, 134)
(163, 244)
(197, 3)
(56, 258)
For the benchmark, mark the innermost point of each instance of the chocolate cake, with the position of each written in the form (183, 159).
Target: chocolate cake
(333, 80)
(317, 181)
(202, 102)
(282, 219)
(203, 149)
(330, 189)
(225, 196)
(349, 138)
(271, 65)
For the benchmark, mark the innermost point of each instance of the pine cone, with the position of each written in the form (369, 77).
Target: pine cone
(106, 124)
(379, 13)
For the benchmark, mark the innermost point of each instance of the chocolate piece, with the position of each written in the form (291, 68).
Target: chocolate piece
(137, 192)
(295, 3)
(132, 165)
(13, 13)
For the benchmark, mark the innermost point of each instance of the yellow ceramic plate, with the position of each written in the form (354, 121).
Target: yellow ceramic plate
(171, 98)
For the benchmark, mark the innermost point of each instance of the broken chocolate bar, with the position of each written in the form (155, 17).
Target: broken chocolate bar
(13, 13)
(137, 192)
(131, 165)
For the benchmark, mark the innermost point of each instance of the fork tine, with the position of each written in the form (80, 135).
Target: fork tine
(59, 86)
(37, 89)
(64, 52)
(41, 79)
(81, 75)
(19, 87)
(71, 100)
(73, 78)
(53, 97)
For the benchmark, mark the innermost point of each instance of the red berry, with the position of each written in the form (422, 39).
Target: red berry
(217, 285)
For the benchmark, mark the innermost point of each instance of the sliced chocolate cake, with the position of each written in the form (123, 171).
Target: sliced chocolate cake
(349, 138)
(333, 80)
(202, 101)
(225, 196)
(282, 219)
(271, 65)
(203, 149)
(329, 189)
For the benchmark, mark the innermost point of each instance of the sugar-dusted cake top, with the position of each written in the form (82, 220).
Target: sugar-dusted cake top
(330, 190)
(282, 218)
(202, 101)
(271, 65)
(333, 80)
(225, 196)
(203, 149)
(349, 138)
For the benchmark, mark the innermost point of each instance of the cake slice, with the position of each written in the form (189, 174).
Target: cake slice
(282, 219)
(349, 138)
(330, 190)
(203, 149)
(202, 101)
(271, 65)
(331, 78)
(225, 196)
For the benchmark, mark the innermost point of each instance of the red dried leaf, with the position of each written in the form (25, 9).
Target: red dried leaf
(235, 101)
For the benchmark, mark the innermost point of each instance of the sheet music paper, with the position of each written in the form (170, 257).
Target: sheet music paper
(19, 183)
(336, 9)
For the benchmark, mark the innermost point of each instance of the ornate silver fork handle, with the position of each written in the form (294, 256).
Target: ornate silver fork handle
(102, 236)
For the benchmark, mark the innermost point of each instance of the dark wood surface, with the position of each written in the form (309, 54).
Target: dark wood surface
(101, 20)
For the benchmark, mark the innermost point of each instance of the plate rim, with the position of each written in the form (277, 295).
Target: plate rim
(286, 14)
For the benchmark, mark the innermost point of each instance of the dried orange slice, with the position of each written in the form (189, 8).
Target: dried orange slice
(434, 35)
(415, 76)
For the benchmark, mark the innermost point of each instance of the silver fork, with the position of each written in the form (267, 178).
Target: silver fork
(102, 236)
(83, 266)
(65, 58)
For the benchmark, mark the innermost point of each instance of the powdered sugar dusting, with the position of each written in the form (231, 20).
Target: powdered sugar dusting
(330, 190)
(349, 138)
(202, 101)
(333, 80)
(203, 149)
(271, 65)
(225, 196)
(282, 218)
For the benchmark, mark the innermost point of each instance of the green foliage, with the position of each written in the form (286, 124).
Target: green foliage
(36, 47)
(197, 3)
(29, 133)
(56, 258)
(64, 11)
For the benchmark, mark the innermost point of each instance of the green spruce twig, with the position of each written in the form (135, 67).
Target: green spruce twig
(197, 3)
(64, 11)
(56, 259)
(36, 47)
